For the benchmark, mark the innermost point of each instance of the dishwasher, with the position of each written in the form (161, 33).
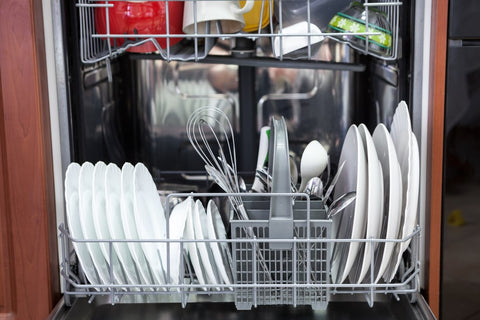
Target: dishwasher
(187, 130)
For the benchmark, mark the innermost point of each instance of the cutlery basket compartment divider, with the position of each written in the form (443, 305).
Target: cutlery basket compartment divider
(296, 276)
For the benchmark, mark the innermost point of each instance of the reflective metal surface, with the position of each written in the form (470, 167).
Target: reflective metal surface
(165, 94)
(316, 104)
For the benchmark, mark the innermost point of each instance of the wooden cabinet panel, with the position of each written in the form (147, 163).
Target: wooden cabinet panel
(28, 247)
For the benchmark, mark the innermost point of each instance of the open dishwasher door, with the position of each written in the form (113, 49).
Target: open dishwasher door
(125, 105)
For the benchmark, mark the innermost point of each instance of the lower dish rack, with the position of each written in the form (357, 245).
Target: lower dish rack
(266, 271)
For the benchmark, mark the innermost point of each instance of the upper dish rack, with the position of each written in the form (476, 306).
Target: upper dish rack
(104, 36)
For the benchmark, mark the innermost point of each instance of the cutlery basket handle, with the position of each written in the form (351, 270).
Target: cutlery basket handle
(281, 211)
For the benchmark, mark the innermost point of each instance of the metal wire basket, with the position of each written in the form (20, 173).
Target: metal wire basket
(96, 46)
(270, 276)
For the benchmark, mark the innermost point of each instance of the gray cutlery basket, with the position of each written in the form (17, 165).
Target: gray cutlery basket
(278, 260)
(293, 276)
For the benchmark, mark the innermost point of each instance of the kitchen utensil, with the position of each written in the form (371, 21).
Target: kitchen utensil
(412, 202)
(208, 124)
(73, 221)
(206, 256)
(177, 223)
(314, 188)
(293, 171)
(261, 157)
(191, 247)
(141, 17)
(334, 182)
(258, 17)
(228, 14)
(321, 11)
(220, 250)
(350, 224)
(352, 20)
(340, 203)
(287, 41)
(374, 206)
(407, 152)
(86, 221)
(113, 193)
(150, 221)
(100, 223)
(392, 181)
(313, 163)
(128, 221)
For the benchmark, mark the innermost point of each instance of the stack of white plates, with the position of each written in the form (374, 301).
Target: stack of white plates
(107, 203)
(384, 172)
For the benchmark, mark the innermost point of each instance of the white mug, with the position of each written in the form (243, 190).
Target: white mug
(227, 13)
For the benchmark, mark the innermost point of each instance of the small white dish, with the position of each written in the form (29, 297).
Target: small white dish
(350, 223)
(128, 221)
(150, 221)
(177, 223)
(200, 230)
(375, 197)
(192, 247)
(87, 224)
(113, 199)
(221, 251)
(284, 44)
(100, 224)
(392, 180)
(73, 221)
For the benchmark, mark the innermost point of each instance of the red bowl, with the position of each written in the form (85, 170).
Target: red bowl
(127, 17)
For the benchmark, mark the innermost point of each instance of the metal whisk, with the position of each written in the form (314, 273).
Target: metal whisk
(207, 128)
(201, 126)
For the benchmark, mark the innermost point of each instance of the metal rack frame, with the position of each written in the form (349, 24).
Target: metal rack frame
(75, 283)
(96, 47)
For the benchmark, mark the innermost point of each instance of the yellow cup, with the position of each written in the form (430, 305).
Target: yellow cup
(253, 18)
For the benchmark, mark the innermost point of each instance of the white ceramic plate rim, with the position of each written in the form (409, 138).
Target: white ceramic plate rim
(113, 199)
(199, 224)
(150, 221)
(129, 226)
(177, 223)
(215, 246)
(374, 199)
(411, 201)
(192, 247)
(360, 204)
(394, 204)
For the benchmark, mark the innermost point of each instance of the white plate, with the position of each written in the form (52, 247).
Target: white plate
(375, 198)
(100, 220)
(220, 250)
(200, 230)
(192, 246)
(150, 221)
(87, 224)
(177, 222)
(128, 221)
(401, 132)
(392, 180)
(349, 224)
(411, 201)
(73, 221)
(113, 199)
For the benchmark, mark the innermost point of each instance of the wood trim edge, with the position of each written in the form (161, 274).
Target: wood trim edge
(437, 108)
